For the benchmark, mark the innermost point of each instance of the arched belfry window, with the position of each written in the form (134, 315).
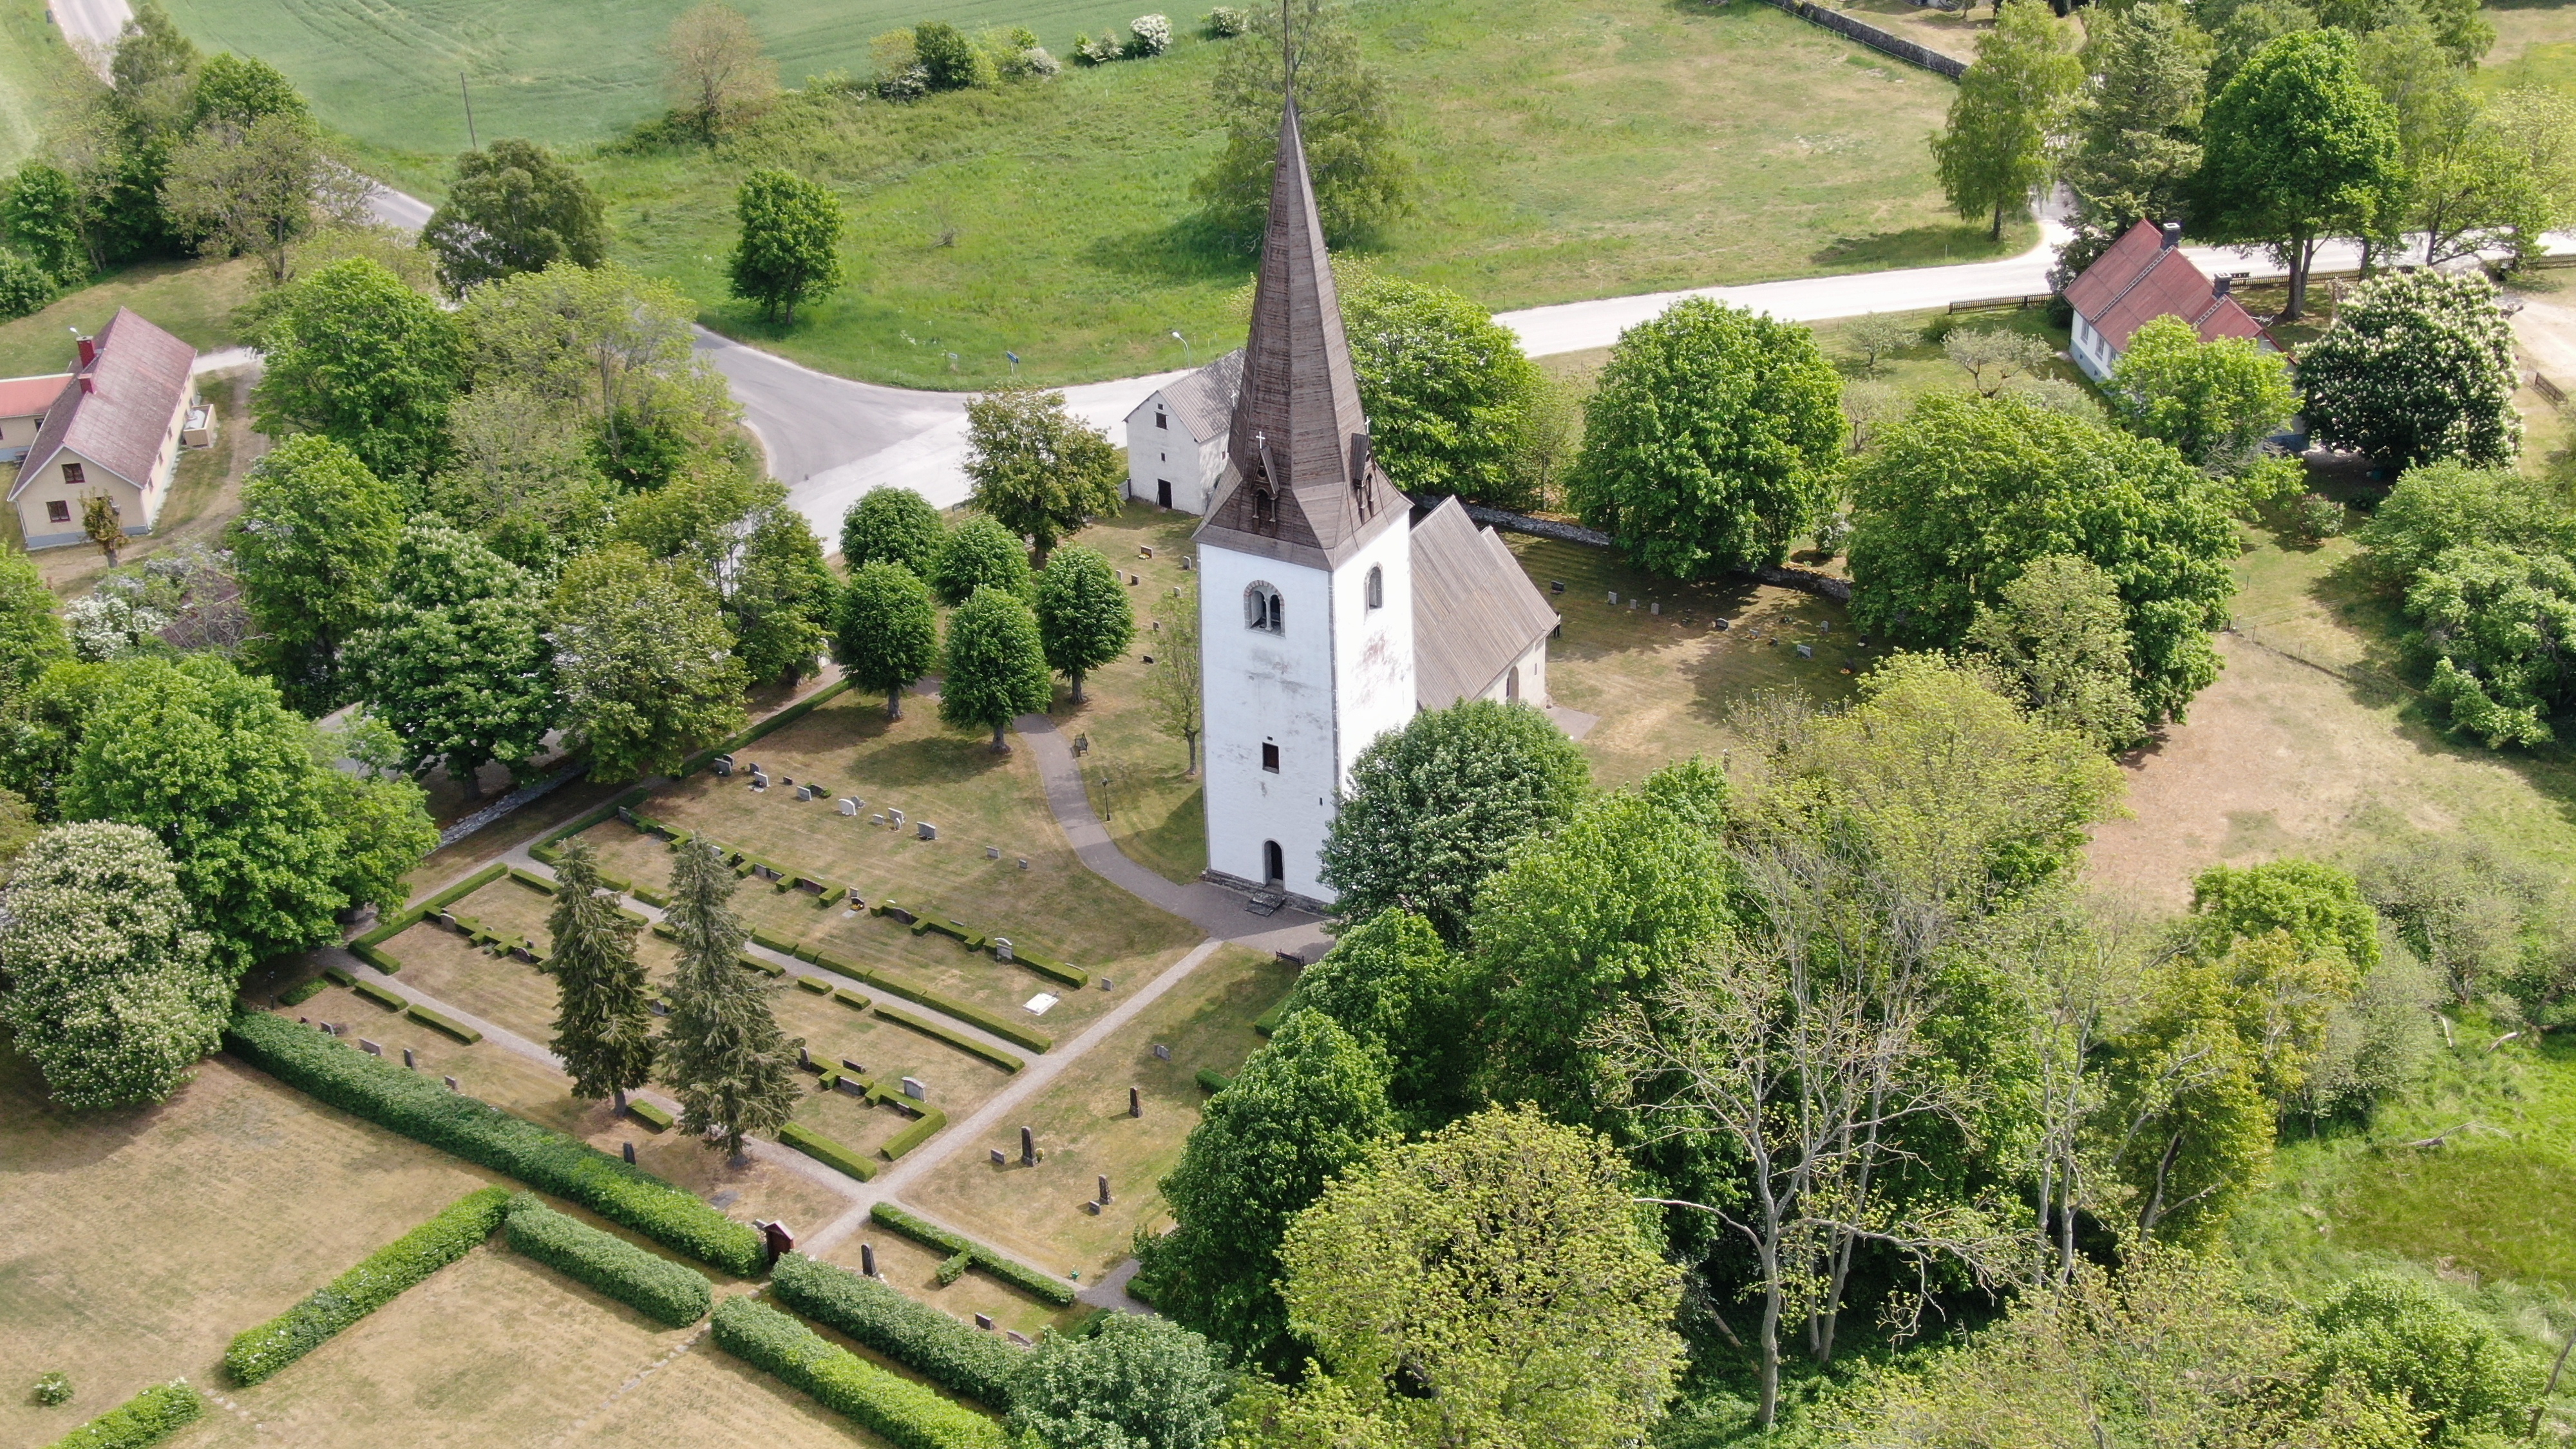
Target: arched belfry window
(1376, 587)
(1263, 609)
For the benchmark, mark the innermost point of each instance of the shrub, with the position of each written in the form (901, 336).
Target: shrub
(826, 1151)
(54, 1388)
(377, 1280)
(656, 1287)
(897, 1409)
(1097, 52)
(1225, 22)
(954, 1268)
(146, 1419)
(302, 993)
(1043, 1286)
(379, 995)
(24, 286)
(969, 1361)
(648, 1114)
(441, 1022)
(541, 1157)
(1148, 35)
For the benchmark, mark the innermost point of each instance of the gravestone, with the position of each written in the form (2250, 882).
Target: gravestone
(999, 1160)
(1162, 1053)
(850, 1066)
(1002, 949)
(1024, 862)
(876, 820)
(927, 830)
(913, 1088)
(724, 764)
(370, 1048)
(1104, 1189)
(630, 1154)
(1556, 586)
(1720, 625)
(868, 1259)
(1022, 1339)
(1146, 550)
(1135, 1101)
(850, 1087)
(787, 779)
(992, 852)
(804, 792)
(451, 1084)
(1806, 651)
(895, 818)
(984, 1321)
(779, 1240)
(1104, 983)
(1028, 1147)
(1185, 563)
(1824, 626)
(805, 1058)
(848, 806)
(409, 1060)
(759, 783)
(1656, 608)
(1614, 596)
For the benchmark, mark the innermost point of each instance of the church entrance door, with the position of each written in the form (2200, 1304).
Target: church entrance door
(1163, 492)
(1274, 863)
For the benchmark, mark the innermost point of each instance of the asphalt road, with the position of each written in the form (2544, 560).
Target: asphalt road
(830, 439)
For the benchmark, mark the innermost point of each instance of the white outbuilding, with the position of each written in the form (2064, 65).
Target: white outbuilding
(1176, 437)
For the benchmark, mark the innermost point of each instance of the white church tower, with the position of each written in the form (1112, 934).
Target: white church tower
(1306, 608)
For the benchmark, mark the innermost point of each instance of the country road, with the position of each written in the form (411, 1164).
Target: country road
(830, 439)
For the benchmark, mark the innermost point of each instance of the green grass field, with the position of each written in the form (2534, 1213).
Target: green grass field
(33, 62)
(2535, 46)
(1579, 151)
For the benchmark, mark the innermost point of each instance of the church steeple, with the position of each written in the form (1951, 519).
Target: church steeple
(1300, 470)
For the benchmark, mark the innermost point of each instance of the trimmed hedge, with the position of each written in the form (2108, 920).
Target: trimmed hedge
(403, 920)
(965, 1360)
(298, 995)
(339, 976)
(378, 1279)
(1052, 969)
(895, 1408)
(754, 963)
(532, 881)
(541, 1157)
(826, 1151)
(1043, 1286)
(1212, 1081)
(543, 850)
(851, 999)
(146, 1419)
(785, 717)
(658, 1288)
(913, 1136)
(390, 1001)
(442, 1022)
(815, 984)
(650, 1115)
(994, 1022)
(376, 956)
(959, 1040)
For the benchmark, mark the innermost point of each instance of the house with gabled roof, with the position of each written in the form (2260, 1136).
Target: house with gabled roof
(110, 426)
(2142, 277)
(1176, 436)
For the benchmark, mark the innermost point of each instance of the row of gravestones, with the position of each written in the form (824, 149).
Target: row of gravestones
(373, 1049)
(849, 805)
(912, 1086)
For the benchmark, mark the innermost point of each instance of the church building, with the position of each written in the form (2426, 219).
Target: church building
(1329, 613)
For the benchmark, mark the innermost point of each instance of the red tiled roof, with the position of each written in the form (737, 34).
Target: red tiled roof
(138, 379)
(24, 397)
(2141, 279)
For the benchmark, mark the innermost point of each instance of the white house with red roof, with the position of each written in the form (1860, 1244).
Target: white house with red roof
(110, 426)
(2142, 277)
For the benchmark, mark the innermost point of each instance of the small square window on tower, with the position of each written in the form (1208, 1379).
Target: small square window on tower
(1270, 758)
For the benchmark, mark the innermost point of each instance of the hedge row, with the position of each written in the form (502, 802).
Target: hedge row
(389, 1000)
(1212, 1081)
(785, 717)
(146, 1419)
(541, 1157)
(967, 1360)
(826, 1151)
(377, 1280)
(957, 1039)
(376, 956)
(650, 1115)
(403, 920)
(300, 994)
(656, 1287)
(1044, 1286)
(932, 1119)
(441, 1021)
(544, 852)
(894, 1408)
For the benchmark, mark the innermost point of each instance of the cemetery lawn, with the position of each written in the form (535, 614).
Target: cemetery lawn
(1154, 810)
(1083, 1130)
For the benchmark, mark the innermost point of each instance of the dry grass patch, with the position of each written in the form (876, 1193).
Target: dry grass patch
(141, 1241)
(1083, 1130)
(499, 1350)
(914, 1268)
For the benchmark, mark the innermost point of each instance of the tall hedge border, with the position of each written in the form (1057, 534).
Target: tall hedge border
(892, 1407)
(970, 1361)
(541, 1157)
(656, 1287)
(379, 1278)
(1045, 1287)
(144, 1420)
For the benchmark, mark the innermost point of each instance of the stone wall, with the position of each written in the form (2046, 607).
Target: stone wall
(1875, 38)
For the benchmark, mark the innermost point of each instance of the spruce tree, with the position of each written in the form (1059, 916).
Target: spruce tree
(603, 1031)
(723, 1055)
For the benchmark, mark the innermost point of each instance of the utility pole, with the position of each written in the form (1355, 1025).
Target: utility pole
(470, 143)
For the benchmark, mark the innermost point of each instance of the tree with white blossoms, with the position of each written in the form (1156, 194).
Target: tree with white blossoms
(2417, 368)
(109, 987)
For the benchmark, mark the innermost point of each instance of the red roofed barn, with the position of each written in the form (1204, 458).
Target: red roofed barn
(112, 426)
(2142, 277)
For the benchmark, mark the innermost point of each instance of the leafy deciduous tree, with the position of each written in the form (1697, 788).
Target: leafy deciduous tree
(886, 632)
(2299, 148)
(1447, 389)
(111, 991)
(790, 248)
(315, 541)
(644, 660)
(1175, 693)
(1084, 618)
(782, 600)
(234, 90)
(259, 189)
(2059, 640)
(31, 637)
(718, 73)
(512, 207)
(1036, 469)
(1996, 147)
(1138, 1383)
(2214, 401)
(1362, 177)
(1714, 440)
(2418, 367)
(994, 669)
(456, 663)
(979, 554)
(355, 355)
(893, 525)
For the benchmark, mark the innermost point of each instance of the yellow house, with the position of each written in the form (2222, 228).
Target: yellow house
(112, 427)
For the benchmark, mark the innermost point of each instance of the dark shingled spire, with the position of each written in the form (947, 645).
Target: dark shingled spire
(1300, 482)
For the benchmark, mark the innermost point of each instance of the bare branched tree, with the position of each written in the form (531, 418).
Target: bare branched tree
(718, 68)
